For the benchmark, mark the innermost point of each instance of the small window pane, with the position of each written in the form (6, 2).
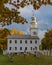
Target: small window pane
(10, 48)
(10, 41)
(25, 41)
(20, 41)
(31, 48)
(15, 48)
(30, 41)
(15, 41)
(25, 48)
(35, 41)
(20, 48)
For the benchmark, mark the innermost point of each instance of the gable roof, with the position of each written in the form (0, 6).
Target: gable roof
(22, 37)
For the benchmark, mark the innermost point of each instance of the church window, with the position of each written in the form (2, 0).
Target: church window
(10, 48)
(10, 41)
(20, 48)
(35, 41)
(25, 48)
(30, 41)
(15, 41)
(20, 41)
(25, 41)
(15, 48)
(31, 48)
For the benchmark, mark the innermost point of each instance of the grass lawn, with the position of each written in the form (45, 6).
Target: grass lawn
(27, 60)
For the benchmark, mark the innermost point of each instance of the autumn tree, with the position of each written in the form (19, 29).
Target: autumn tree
(36, 3)
(7, 16)
(47, 40)
(3, 38)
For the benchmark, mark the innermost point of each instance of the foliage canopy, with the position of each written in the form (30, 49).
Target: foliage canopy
(47, 40)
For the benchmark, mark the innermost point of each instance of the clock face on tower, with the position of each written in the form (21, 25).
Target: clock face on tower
(34, 33)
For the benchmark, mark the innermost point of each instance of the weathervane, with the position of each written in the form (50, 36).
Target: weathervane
(32, 15)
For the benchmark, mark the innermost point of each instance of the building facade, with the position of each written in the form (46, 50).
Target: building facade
(24, 43)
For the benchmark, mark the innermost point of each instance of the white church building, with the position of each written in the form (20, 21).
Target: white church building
(24, 43)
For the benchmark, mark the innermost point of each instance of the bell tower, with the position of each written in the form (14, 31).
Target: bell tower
(33, 27)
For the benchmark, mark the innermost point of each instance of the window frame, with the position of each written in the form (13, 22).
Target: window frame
(20, 48)
(25, 48)
(10, 41)
(30, 41)
(10, 48)
(31, 48)
(25, 41)
(20, 41)
(15, 41)
(35, 41)
(15, 48)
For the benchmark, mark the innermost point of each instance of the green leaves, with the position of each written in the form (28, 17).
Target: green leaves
(7, 16)
(47, 40)
(3, 37)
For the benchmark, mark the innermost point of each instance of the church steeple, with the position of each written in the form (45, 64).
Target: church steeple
(33, 27)
(34, 23)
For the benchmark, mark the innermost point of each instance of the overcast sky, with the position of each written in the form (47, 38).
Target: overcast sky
(43, 15)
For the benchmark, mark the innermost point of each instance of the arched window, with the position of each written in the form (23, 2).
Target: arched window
(35, 41)
(20, 41)
(20, 48)
(26, 41)
(15, 48)
(15, 41)
(31, 48)
(25, 48)
(10, 41)
(31, 41)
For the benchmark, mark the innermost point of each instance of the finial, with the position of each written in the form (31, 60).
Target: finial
(32, 15)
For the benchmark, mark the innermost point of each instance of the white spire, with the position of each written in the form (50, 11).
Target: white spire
(34, 23)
